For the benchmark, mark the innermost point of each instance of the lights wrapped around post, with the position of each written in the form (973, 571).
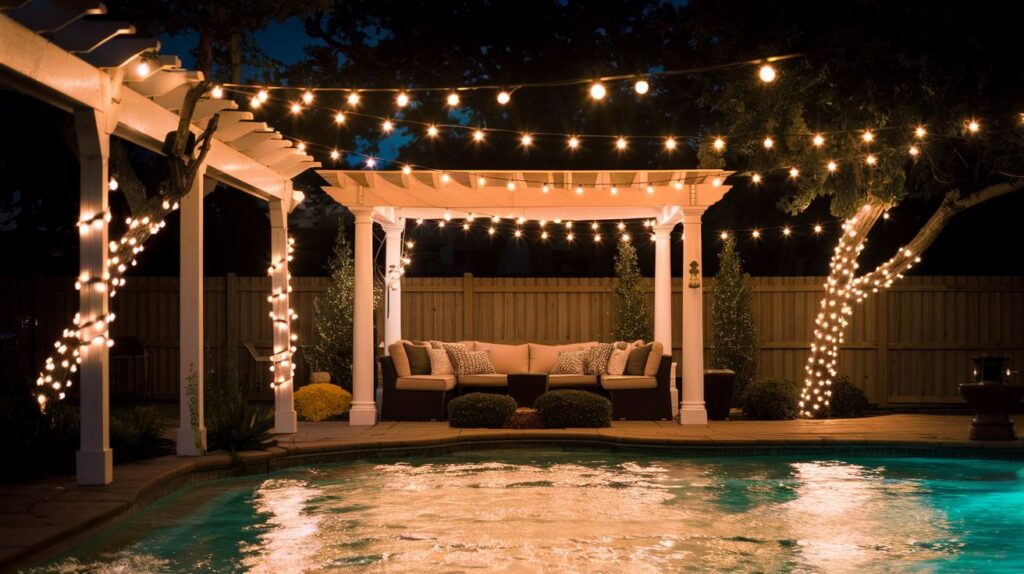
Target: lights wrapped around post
(62, 364)
(282, 316)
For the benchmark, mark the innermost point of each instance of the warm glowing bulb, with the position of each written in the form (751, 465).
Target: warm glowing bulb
(755, 234)
(819, 140)
(719, 144)
(254, 102)
(793, 172)
(670, 143)
(481, 181)
(650, 188)
(724, 235)
(453, 99)
(817, 228)
(478, 136)
(574, 142)
(620, 144)
(432, 131)
(598, 91)
(490, 231)
(307, 97)
(678, 184)
(370, 162)
(495, 218)
(503, 97)
(526, 140)
(768, 142)
(445, 178)
(920, 132)
(339, 118)
(112, 184)
(914, 151)
(511, 186)
(353, 99)
(335, 154)
(868, 136)
(142, 69)
(766, 73)
(786, 231)
(518, 233)
(579, 190)
(301, 146)
(832, 166)
(615, 190)
(217, 92)
(296, 108)
(756, 178)
(871, 159)
(402, 100)
(641, 87)
(262, 96)
(387, 126)
(973, 126)
(406, 169)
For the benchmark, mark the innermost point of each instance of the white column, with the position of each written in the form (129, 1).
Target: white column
(663, 285)
(285, 419)
(191, 442)
(94, 461)
(393, 264)
(691, 409)
(364, 410)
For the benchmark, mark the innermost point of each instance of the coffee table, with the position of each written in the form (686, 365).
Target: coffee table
(526, 387)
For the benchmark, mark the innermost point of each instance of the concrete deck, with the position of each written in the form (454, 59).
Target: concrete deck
(39, 516)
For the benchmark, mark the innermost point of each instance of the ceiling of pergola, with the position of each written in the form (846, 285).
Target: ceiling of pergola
(591, 195)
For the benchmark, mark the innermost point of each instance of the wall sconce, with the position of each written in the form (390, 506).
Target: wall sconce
(694, 275)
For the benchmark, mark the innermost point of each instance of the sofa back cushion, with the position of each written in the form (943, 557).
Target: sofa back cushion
(636, 364)
(419, 358)
(401, 361)
(543, 357)
(654, 359)
(507, 358)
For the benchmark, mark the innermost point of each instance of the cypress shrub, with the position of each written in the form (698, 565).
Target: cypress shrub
(847, 400)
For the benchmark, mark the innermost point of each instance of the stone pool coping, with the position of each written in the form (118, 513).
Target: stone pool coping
(53, 514)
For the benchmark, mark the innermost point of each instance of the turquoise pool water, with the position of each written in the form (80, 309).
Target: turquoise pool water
(582, 511)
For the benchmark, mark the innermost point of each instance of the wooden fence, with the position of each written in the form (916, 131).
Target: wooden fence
(911, 344)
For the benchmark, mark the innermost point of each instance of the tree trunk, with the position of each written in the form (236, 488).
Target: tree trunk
(204, 57)
(235, 51)
(843, 288)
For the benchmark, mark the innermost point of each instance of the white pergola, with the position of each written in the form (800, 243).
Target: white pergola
(669, 197)
(64, 53)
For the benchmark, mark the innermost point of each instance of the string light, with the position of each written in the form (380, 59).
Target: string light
(768, 142)
(650, 189)
(402, 99)
(766, 73)
(453, 99)
(526, 140)
(756, 178)
(868, 136)
(794, 172)
(432, 131)
(786, 231)
(832, 166)
(387, 126)
(723, 235)
(254, 102)
(574, 143)
(112, 184)
(914, 151)
(335, 154)
(719, 144)
(579, 190)
(353, 99)
(670, 143)
(339, 118)
(371, 162)
(871, 159)
(407, 169)
(620, 144)
(217, 92)
(755, 234)
(920, 132)
(598, 91)
(973, 126)
(818, 228)
(296, 108)
(262, 96)
(511, 186)
(819, 140)
(307, 97)
(503, 97)
(641, 87)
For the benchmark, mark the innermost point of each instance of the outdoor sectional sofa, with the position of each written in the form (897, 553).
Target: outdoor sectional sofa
(424, 397)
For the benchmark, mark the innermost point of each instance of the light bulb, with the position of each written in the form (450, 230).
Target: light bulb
(620, 144)
(307, 97)
(481, 181)
(335, 154)
(719, 144)
(598, 91)
(579, 190)
(262, 96)
(432, 131)
(914, 151)
(478, 136)
(670, 143)
(142, 69)
(756, 178)
(387, 126)
(526, 140)
(112, 184)
(296, 108)
(615, 190)
(793, 172)
(819, 140)
(832, 166)
(518, 233)
(868, 136)
(724, 235)
(300, 146)
(453, 99)
(768, 142)
(503, 97)
(370, 162)
(406, 169)
(574, 142)
(254, 102)
(545, 188)
(786, 231)
(755, 234)
(818, 228)
(973, 126)
(353, 99)
(511, 186)
(650, 188)
(339, 118)
(766, 73)
(871, 159)
(402, 100)
(217, 92)
(641, 87)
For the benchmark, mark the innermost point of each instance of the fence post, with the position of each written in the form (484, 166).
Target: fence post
(467, 306)
(882, 337)
(230, 318)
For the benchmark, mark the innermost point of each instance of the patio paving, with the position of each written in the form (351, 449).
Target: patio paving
(55, 511)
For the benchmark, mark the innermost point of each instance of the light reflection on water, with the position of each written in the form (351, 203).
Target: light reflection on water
(583, 511)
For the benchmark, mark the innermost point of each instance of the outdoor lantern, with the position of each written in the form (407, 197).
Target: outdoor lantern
(694, 275)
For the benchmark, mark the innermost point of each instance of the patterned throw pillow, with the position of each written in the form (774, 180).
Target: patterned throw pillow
(440, 364)
(569, 363)
(474, 363)
(617, 361)
(596, 362)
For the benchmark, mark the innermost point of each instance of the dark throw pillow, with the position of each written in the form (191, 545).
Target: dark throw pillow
(637, 361)
(419, 359)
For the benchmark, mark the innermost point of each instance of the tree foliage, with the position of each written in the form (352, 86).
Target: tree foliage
(331, 348)
(736, 345)
(633, 318)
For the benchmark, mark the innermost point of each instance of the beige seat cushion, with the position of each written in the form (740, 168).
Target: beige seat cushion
(654, 359)
(398, 356)
(493, 380)
(507, 358)
(426, 383)
(543, 357)
(558, 381)
(626, 382)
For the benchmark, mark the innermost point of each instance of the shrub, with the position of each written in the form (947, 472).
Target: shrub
(480, 410)
(570, 408)
(321, 401)
(736, 345)
(771, 400)
(138, 432)
(236, 425)
(847, 400)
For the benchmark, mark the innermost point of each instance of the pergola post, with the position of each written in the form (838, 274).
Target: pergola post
(94, 461)
(364, 410)
(285, 419)
(191, 441)
(393, 262)
(663, 285)
(691, 409)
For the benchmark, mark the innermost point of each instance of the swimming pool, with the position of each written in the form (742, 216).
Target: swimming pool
(557, 510)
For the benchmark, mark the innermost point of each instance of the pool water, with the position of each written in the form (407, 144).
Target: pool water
(552, 510)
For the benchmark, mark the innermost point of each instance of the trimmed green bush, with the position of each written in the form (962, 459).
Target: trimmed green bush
(570, 408)
(847, 400)
(771, 400)
(480, 410)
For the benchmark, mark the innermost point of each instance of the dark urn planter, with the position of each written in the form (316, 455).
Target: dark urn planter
(718, 385)
(992, 400)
